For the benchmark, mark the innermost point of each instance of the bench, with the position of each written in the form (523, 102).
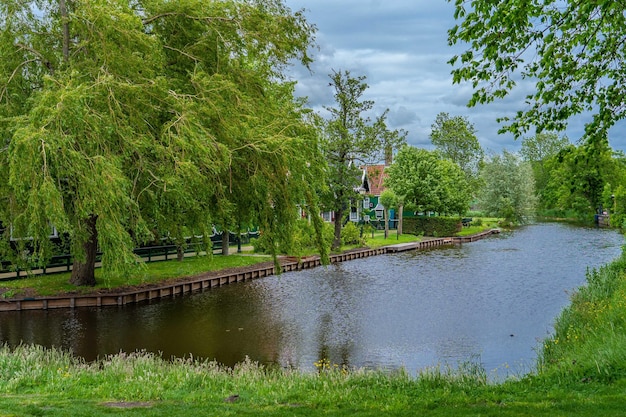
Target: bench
(466, 221)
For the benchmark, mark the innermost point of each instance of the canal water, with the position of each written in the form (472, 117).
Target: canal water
(490, 302)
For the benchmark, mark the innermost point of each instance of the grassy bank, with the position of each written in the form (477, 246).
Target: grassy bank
(44, 382)
(149, 273)
(159, 272)
(589, 342)
(581, 372)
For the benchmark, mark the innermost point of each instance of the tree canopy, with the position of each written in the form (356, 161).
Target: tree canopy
(573, 51)
(455, 138)
(509, 190)
(122, 122)
(538, 151)
(578, 176)
(429, 182)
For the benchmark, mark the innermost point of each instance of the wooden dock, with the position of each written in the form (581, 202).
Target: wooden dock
(477, 236)
(424, 244)
(207, 281)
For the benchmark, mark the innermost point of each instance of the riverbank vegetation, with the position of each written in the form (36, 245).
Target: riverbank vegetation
(162, 271)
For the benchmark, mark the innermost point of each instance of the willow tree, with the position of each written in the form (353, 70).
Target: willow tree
(509, 190)
(122, 121)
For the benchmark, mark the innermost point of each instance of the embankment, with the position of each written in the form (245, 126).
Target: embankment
(207, 281)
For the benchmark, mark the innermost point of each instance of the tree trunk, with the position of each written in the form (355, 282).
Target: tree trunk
(400, 209)
(84, 271)
(386, 220)
(180, 253)
(337, 239)
(225, 242)
(66, 30)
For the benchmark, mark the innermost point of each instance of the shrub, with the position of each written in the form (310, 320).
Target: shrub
(302, 240)
(351, 235)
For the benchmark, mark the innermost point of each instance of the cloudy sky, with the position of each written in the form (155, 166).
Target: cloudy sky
(401, 47)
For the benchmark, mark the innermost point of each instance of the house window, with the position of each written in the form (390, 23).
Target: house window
(354, 215)
(366, 203)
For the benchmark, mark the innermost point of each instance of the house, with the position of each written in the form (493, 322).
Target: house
(371, 187)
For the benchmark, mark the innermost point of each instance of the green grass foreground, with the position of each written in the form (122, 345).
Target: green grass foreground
(37, 382)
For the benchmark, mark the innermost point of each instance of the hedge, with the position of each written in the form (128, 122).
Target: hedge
(432, 226)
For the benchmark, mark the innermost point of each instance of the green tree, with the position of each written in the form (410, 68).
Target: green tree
(509, 190)
(429, 182)
(571, 50)
(537, 150)
(123, 121)
(579, 176)
(351, 139)
(389, 200)
(455, 137)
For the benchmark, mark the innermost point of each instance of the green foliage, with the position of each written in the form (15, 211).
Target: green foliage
(580, 179)
(538, 150)
(429, 182)
(388, 199)
(351, 139)
(158, 119)
(351, 235)
(455, 137)
(509, 190)
(304, 240)
(432, 226)
(570, 50)
(589, 334)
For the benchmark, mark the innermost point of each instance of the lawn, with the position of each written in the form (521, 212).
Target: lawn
(145, 273)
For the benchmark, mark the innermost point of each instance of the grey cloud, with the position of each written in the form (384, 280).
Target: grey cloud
(401, 47)
(402, 116)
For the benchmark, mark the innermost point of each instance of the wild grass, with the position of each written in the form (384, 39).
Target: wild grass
(37, 381)
(590, 334)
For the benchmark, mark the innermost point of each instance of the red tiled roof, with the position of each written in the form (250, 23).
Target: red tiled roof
(376, 175)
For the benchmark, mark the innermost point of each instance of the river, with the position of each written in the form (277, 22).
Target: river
(490, 302)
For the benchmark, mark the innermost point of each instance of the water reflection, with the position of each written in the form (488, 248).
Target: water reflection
(492, 299)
